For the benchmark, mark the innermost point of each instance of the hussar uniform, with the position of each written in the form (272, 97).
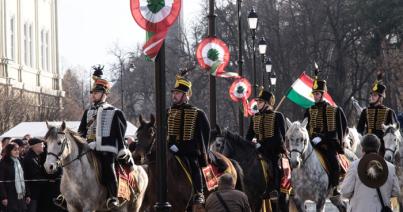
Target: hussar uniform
(188, 135)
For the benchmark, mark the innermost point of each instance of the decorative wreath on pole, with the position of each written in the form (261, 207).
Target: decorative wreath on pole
(240, 91)
(211, 51)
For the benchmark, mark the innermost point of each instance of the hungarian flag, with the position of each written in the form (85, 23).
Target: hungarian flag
(301, 92)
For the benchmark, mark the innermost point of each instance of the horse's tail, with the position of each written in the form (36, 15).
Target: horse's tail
(240, 176)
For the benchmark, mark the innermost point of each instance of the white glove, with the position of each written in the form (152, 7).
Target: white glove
(124, 154)
(92, 145)
(174, 148)
(257, 145)
(316, 140)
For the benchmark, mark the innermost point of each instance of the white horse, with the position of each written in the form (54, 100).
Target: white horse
(309, 179)
(79, 184)
(394, 151)
(351, 144)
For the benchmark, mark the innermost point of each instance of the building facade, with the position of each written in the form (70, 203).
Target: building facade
(29, 54)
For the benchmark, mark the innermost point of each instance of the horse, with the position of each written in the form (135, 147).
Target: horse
(308, 177)
(393, 153)
(235, 147)
(79, 184)
(351, 144)
(179, 182)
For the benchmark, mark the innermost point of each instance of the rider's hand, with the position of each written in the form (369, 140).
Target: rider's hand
(124, 154)
(316, 140)
(257, 145)
(4, 202)
(27, 200)
(174, 148)
(92, 145)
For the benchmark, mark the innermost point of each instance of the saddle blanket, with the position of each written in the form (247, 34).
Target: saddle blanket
(341, 158)
(211, 175)
(126, 181)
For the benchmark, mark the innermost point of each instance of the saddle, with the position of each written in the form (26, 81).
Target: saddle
(285, 181)
(343, 161)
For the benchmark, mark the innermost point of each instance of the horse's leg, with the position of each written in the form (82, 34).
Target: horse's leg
(320, 205)
(299, 204)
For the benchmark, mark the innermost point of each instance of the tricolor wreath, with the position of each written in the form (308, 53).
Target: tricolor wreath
(241, 90)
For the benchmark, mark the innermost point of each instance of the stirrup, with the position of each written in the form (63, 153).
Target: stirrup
(198, 198)
(60, 201)
(112, 203)
(273, 195)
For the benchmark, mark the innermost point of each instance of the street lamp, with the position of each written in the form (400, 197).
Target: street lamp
(262, 46)
(252, 21)
(273, 81)
(269, 66)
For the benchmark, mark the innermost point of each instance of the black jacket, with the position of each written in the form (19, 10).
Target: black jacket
(33, 170)
(7, 189)
(379, 115)
(330, 127)
(199, 138)
(272, 142)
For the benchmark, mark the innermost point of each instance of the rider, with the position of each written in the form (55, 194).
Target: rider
(268, 127)
(327, 126)
(104, 127)
(188, 133)
(377, 114)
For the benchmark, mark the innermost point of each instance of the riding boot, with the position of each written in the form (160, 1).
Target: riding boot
(110, 179)
(198, 198)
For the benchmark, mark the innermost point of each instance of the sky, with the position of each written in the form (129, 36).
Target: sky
(89, 29)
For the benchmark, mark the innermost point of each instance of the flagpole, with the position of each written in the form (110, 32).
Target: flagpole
(281, 102)
(211, 33)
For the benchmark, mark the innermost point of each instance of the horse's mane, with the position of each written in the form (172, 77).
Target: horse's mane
(81, 143)
(228, 135)
(393, 130)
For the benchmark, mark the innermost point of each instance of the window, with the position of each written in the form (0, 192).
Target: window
(25, 44)
(28, 45)
(55, 85)
(11, 53)
(38, 80)
(44, 50)
(47, 50)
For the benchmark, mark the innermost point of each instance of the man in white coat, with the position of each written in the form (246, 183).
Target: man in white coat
(367, 174)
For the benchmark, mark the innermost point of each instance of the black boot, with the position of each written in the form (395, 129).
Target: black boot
(198, 198)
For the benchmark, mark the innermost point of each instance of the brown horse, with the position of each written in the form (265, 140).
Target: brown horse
(179, 186)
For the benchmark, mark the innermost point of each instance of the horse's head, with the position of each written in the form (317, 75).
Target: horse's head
(57, 145)
(217, 140)
(145, 136)
(297, 139)
(391, 139)
(352, 139)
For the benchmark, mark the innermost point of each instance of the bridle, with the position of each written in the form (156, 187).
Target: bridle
(393, 151)
(149, 148)
(301, 153)
(64, 143)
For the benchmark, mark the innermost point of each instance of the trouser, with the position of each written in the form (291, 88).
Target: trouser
(109, 179)
(33, 205)
(329, 151)
(196, 173)
(276, 170)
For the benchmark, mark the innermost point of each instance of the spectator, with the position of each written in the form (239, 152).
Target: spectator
(21, 146)
(33, 170)
(13, 194)
(27, 137)
(232, 200)
(366, 175)
(4, 142)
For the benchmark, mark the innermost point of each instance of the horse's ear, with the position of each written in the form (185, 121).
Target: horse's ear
(304, 123)
(141, 120)
(152, 119)
(289, 123)
(63, 127)
(47, 124)
(384, 127)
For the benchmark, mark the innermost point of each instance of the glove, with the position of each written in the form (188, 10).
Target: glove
(257, 145)
(124, 154)
(316, 140)
(174, 148)
(92, 145)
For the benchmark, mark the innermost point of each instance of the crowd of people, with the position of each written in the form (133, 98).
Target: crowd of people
(24, 184)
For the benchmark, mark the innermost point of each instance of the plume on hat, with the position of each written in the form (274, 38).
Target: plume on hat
(97, 71)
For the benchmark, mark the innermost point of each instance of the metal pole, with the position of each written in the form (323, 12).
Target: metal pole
(254, 63)
(240, 62)
(211, 32)
(121, 85)
(263, 70)
(162, 204)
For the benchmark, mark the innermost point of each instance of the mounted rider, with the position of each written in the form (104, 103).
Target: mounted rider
(327, 126)
(104, 127)
(268, 128)
(188, 132)
(377, 114)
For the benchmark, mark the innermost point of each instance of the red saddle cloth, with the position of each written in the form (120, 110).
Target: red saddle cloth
(211, 175)
(126, 181)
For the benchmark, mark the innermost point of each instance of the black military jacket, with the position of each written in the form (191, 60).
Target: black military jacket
(327, 122)
(372, 118)
(189, 129)
(268, 127)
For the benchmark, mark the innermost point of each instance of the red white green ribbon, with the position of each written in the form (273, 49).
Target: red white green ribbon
(240, 91)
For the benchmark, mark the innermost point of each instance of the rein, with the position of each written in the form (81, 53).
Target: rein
(64, 144)
(302, 153)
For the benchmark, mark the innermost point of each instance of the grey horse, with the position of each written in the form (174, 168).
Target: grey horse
(393, 153)
(79, 184)
(309, 179)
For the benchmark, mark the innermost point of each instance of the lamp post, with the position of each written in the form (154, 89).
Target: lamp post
(262, 46)
(253, 21)
(240, 61)
(273, 81)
